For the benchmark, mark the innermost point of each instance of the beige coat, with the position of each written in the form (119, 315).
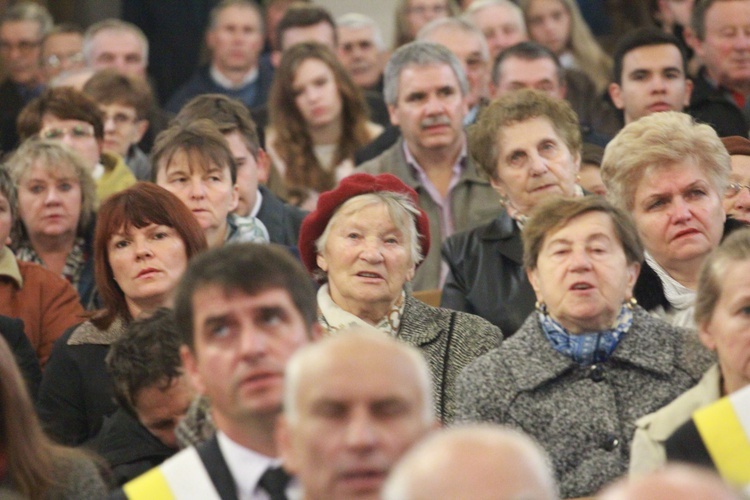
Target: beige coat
(651, 432)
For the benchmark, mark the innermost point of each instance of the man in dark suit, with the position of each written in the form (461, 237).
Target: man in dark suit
(253, 166)
(238, 334)
(22, 28)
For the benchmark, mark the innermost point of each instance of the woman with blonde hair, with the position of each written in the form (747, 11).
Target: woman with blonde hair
(30, 464)
(318, 120)
(559, 26)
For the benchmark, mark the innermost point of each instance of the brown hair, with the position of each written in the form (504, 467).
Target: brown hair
(138, 206)
(65, 103)
(34, 462)
(556, 213)
(517, 107)
(736, 248)
(200, 140)
(229, 114)
(110, 87)
(293, 142)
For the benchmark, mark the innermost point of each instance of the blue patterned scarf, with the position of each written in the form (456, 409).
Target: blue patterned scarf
(586, 348)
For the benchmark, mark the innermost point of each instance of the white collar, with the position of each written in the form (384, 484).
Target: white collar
(258, 203)
(247, 467)
(225, 82)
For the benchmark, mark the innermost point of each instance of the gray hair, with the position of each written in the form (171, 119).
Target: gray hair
(419, 54)
(356, 21)
(479, 5)
(312, 352)
(400, 207)
(29, 11)
(54, 156)
(485, 440)
(117, 26)
(462, 24)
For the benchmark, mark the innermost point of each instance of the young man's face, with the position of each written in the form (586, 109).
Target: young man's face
(250, 172)
(122, 127)
(652, 80)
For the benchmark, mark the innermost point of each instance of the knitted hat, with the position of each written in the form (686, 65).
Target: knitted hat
(737, 145)
(354, 185)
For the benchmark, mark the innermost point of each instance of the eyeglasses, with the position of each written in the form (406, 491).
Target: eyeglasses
(24, 46)
(55, 60)
(74, 132)
(734, 188)
(120, 118)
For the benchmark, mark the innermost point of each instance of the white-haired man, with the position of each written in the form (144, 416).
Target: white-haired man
(361, 49)
(353, 404)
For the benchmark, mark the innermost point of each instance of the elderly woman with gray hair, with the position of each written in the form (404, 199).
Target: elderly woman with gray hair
(588, 362)
(365, 240)
(671, 174)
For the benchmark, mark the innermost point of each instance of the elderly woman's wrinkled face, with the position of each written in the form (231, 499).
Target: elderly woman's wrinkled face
(582, 274)
(728, 330)
(678, 214)
(737, 203)
(368, 260)
(49, 202)
(533, 163)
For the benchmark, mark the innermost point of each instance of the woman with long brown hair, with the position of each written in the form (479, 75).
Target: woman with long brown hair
(318, 120)
(30, 464)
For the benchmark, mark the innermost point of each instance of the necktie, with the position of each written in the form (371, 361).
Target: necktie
(274, 481)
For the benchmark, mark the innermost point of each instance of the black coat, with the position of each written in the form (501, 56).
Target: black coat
(11, 329)
(128, 447)
(713, 106)
(281, 219)
(486, 274)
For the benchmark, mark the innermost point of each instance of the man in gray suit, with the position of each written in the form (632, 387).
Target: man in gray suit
(425, 89)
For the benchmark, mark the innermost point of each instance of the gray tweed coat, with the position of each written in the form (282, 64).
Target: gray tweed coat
(450, 340)
(584, 416)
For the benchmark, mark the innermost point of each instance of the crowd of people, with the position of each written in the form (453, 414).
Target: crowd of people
(500, 258)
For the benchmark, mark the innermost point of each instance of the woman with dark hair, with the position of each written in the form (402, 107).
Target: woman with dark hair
(144, 238)
(318, 120)
(30, 464)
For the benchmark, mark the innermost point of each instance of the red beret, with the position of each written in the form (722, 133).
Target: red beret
(351, 186)
(737, 145)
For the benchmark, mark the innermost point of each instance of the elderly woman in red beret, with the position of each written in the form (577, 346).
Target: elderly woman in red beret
(737, 195)
(364, 241)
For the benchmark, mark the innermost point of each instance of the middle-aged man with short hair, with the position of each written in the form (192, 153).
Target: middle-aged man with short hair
(353, 404)
(473, 461)
(650, 74)
(425, 90)
(361, 50)
(501, 21)
(239, 332)
(22, 28)
(117, 44)
(62, 50)
(233, 119)
(719, 32)
(467, 43)
(153, 394)
(533, 66)
(235, 39)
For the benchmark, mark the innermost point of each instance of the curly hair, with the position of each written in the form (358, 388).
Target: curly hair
(293, 141)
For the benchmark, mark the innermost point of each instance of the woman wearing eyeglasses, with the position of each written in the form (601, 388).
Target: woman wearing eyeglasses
(737, 195)
(56, 203)
(67, 115)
